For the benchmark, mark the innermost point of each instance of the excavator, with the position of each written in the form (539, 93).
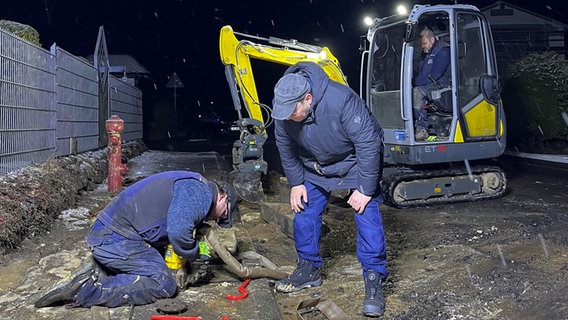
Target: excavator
(467, 122)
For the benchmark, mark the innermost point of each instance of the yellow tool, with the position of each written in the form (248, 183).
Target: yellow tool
(173, 261)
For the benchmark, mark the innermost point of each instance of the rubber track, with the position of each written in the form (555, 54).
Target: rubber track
(390, 182)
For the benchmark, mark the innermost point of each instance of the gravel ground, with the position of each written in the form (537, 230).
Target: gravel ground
(499, 259)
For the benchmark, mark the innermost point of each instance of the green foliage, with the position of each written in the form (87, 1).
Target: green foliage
(535, 94)
(21, 30)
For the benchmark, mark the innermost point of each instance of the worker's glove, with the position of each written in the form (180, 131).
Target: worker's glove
(182, 279)
(204, 253)
(199, 270)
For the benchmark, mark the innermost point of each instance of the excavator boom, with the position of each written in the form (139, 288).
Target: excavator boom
(237, 55)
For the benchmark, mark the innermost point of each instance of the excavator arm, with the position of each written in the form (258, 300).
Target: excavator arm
(236, 55)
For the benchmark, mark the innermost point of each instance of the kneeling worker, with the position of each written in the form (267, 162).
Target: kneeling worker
(128, 235)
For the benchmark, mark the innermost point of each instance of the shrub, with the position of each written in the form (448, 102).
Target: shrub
(23, 31)
(535, 96)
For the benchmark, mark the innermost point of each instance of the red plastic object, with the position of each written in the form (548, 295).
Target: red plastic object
(242, 289)
(168, 317)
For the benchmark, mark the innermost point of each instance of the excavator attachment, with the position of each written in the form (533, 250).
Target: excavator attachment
(247, 153)
(248, 185)
(248, 162)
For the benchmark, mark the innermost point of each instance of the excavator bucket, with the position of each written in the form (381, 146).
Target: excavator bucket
(248, 185)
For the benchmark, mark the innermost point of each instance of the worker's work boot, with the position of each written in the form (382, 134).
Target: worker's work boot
(66, 289)
(374, 302)
(305, 276)
(420, 134)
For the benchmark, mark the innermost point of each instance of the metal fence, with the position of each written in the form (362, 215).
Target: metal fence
(126, 103)
(49, 104)
(77, 103)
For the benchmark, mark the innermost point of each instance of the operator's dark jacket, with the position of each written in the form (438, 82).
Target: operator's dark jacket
(339, 144)
(434, 64)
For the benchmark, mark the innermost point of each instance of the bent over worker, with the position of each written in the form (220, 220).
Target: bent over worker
(127, 237)
(329, 140)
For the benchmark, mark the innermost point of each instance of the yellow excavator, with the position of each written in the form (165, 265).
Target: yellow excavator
(467, 118)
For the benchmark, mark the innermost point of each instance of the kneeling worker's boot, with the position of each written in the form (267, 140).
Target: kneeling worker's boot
(65, 290)
(374, 302)
(305, 276)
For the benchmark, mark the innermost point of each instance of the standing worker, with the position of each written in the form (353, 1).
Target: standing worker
(329, 140)
(129, 235)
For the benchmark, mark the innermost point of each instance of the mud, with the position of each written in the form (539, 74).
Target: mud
(498, 259)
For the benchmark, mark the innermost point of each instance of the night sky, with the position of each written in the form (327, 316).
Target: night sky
(182, 35)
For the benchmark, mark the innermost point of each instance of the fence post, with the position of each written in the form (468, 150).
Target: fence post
(116, 170)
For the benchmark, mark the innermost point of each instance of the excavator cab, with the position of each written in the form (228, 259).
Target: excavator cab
(466, 118)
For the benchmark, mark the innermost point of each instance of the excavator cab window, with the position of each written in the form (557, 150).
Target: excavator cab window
(437, 22)
(439, 103)
(478, 93)
(385, 77)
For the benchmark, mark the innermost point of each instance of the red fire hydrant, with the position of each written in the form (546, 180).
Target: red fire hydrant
(116, 170)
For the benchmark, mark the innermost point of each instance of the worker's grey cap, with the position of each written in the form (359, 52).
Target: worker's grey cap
(289, 90)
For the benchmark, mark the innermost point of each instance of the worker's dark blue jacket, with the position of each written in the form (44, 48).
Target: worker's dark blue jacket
(435, 64)
(339, 144)
(142, 211)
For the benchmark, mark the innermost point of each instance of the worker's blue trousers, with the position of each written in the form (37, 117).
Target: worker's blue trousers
(371, 246)
(139, 273)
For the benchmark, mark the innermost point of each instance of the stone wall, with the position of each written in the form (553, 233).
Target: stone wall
(33, 197)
